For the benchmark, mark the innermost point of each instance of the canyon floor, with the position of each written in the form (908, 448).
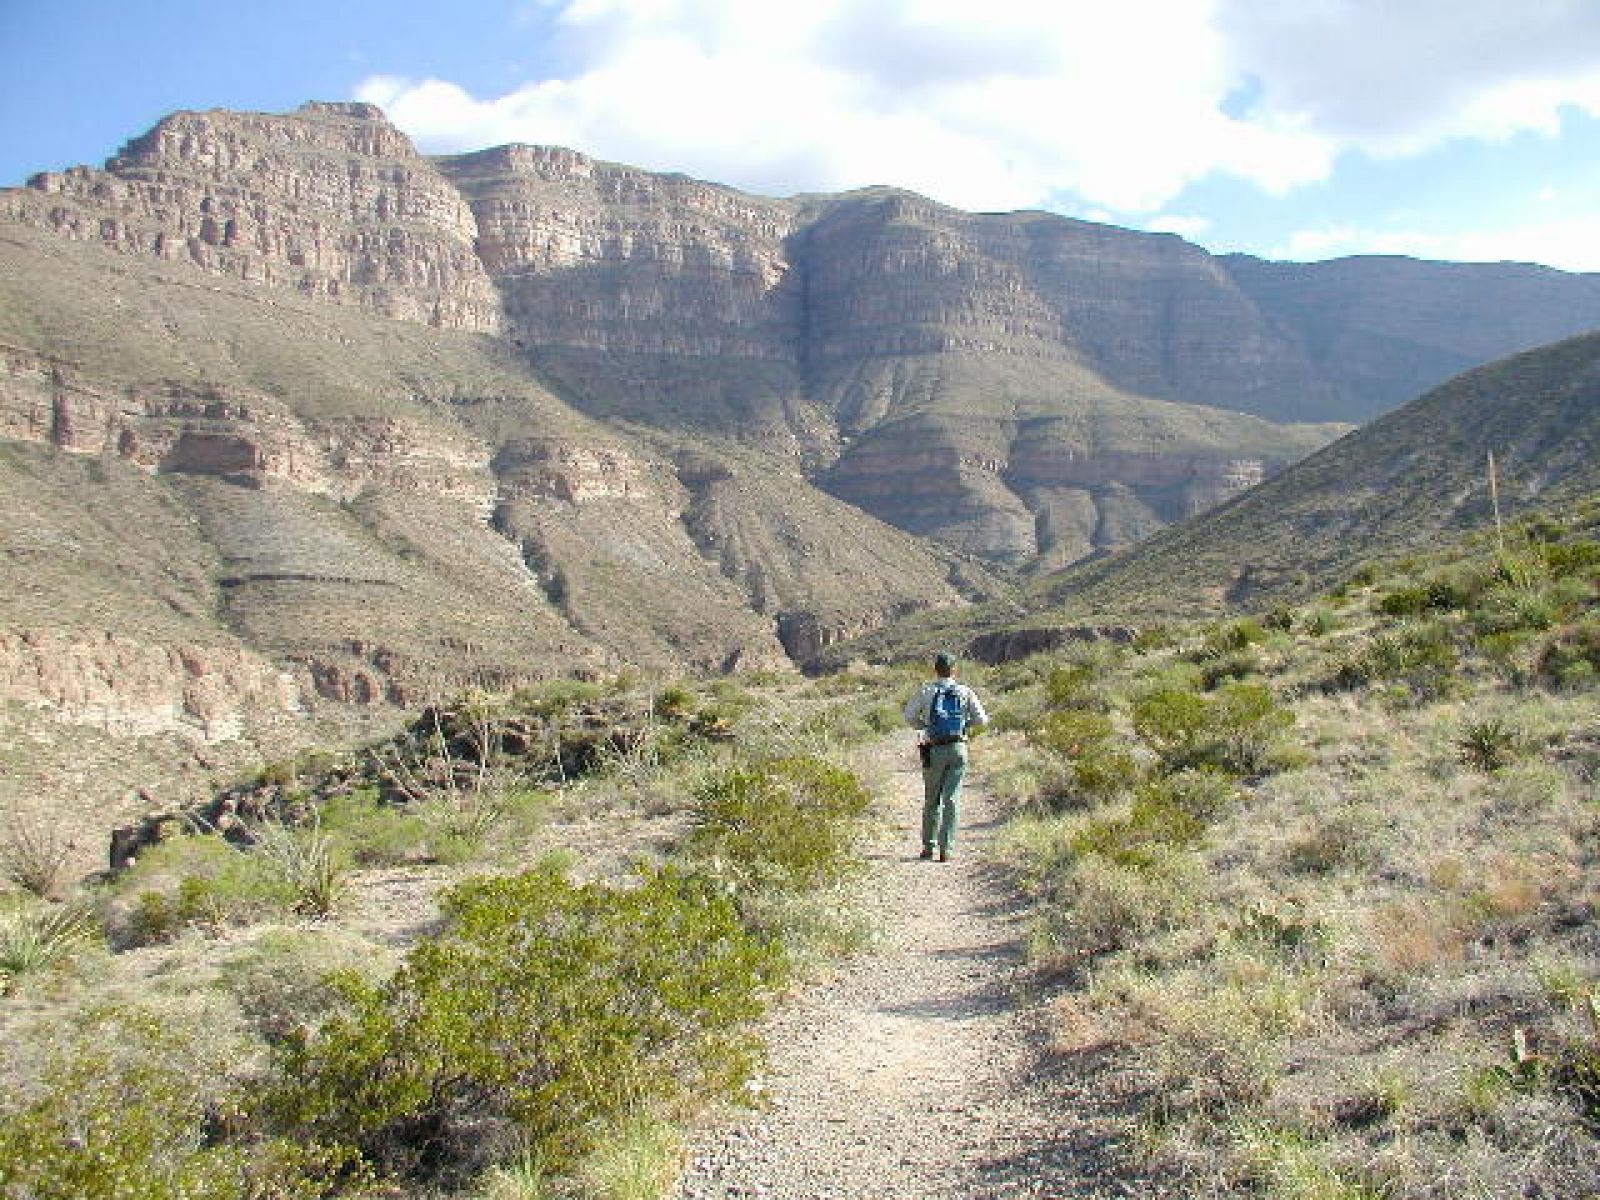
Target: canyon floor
(922, 1067)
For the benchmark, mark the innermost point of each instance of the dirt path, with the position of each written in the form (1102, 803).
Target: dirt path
(917, 1071)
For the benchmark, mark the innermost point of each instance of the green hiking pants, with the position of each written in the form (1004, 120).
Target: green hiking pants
(941, 794)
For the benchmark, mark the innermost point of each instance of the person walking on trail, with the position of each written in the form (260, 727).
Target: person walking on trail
(946, 712)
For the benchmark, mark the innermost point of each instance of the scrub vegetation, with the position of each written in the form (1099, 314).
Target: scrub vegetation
(1315, 887)
(1321, 884)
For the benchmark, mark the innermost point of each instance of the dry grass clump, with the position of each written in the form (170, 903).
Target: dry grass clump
(1370, 972)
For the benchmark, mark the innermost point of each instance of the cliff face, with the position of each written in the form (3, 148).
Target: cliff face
(331, 201)
(281, 397)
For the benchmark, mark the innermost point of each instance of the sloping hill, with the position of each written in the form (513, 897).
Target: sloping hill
(1403, 484)
(1400, 484)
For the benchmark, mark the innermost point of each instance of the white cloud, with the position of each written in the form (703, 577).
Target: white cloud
(1018, 103)
(1571, 243)
(1398, 78)
(992, 108)
(1192, 228)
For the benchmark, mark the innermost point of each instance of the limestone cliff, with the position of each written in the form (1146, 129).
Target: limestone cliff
(330, 201)
(283, 385)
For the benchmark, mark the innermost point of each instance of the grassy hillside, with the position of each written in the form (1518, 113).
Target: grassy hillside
(1314, 892)
(1319, 889)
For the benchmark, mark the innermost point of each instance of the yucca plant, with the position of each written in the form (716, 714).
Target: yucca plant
(35, 939)
(1487, 745)
(307, 862)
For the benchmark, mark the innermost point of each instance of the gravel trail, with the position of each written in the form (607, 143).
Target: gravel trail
(917, 1070)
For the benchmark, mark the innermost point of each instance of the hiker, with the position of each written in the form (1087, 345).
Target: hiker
(944, 711)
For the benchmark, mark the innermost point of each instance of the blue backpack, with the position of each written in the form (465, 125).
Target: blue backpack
(947, 718)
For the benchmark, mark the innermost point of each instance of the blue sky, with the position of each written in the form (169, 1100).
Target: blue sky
(1308, 129)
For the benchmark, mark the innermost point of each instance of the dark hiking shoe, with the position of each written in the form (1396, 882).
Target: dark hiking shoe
(945, 856)
(927, 852)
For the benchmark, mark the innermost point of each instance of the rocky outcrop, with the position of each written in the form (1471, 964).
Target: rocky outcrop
(330, 201)
(128, 686)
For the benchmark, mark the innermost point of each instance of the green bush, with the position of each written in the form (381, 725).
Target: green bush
(545, 1010)
(1571, 658)
(1234, 730)
(1071, 733)
(1319, 622)
(196, 881)
(124, 1112)
(374, 834)
(1488, 745)
(1073, 687)
(1166, 814)
(790, 823)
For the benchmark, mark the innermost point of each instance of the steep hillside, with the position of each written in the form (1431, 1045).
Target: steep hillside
(1403, 484)
(1381, 331)
(376, 423)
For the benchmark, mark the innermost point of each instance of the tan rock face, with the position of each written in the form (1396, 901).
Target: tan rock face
(330, 201)
(128, 686)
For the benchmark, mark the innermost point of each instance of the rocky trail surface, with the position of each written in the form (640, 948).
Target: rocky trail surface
(920, 1069)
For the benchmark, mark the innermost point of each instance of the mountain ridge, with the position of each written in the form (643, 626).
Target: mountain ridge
(520, 412)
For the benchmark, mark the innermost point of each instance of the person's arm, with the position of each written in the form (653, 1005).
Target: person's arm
(976, 717)
(916, 712)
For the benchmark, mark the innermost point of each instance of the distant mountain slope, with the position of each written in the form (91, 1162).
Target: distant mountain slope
(1382, 330)
(1407, 483)
(1404, 482)
(380, 421)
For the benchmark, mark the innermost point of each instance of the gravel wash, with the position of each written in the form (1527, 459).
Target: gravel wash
(918, 1069)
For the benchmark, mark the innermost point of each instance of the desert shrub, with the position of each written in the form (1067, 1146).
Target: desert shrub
(1488, 745)
(556, 697)
(674, 702)
(1280, 618)
(1330, 843)
(1232, 637)
(1072, 686)
(1228, 667)
(1234, 730)
(790, 823)
(194, 881)
(1072, 732)
(374, 834)
(1566, 559)
(1099, 905)
(36, 938)
(35, 847)
(1102, 772)
(1571, 658)
(285, 979)
(1168, 813)
(546, 1010)
(1319, 622)
(307, 864)
(1088, 766)
(124, 1112)
(1423, 654)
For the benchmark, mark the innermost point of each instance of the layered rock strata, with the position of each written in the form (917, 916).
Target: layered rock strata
(330, 201)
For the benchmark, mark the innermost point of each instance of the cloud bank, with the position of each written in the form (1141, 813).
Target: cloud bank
(1015, 104)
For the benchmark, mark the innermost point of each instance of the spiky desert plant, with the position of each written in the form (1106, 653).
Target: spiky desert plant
(37, 938)
(1487, 745)
(307, 863)
(35, 849)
